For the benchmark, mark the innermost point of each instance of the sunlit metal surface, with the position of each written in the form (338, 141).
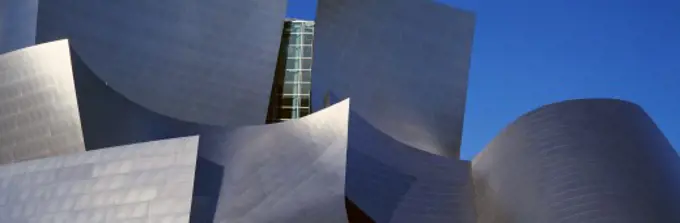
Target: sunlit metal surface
(590, 160)
(147, 182)
(209, 62)
(392, 182)
(38, 108)
(17, 24)
(404, 63)
(290, 172)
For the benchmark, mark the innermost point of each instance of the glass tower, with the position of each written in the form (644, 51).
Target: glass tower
(295, 65)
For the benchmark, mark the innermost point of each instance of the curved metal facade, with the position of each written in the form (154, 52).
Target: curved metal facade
(288, 172)
(146, 182)
(38, 108)
(209, 62)
(110, 119)
(590, 160)
(404, 60)
(392, 182)
(17, 24)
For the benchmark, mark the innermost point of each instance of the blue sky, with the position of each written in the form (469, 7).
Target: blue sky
(528, 53)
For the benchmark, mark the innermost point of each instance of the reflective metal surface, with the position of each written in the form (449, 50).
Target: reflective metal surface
(110, 119)
(392, 182)
(404, 63)
(585, 161)
(290, 172)
(147, 182)
(38, 108)
(17, 24)
(209, 62)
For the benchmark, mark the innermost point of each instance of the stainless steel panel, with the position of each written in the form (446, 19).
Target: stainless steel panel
(404, 63)
(590, 160)
(208, 62)
(147, 182)
(288, 172)
(38, 108)
(392, 182)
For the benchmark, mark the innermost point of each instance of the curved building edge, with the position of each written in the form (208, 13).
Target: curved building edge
(38, 107)
(292, 171)
(392, 182)
(418, 55)
(109, 118)
(582, 160)
(132, 45)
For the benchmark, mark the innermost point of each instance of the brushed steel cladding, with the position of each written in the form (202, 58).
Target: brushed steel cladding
(208, 62)
(38, 107)
(17, 24)
(587, 160)
(404, 63)
(110, 119)
(287, 172)
(147, 183)
(392, 182)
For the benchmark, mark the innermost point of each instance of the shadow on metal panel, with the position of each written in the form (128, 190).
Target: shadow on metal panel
(393, 182)
(292, 171)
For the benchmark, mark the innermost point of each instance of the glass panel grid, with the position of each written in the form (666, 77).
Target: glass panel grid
(298, 70)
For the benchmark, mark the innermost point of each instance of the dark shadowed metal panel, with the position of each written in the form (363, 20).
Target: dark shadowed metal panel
(404, 63)
(290, 172)
(110, 119)
(17, 24)
(209, 62)
(146, 182)
(392, 182)
(38, 108)
(581, 161)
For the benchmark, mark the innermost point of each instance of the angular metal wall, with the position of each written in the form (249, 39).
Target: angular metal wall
(17, 24)
(147, 182)
(290, 172)
(404, 63)
(38, 108)
(392, 182)
(590, 160)
(209, 62)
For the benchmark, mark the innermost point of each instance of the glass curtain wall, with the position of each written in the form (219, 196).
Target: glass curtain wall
(298, 75)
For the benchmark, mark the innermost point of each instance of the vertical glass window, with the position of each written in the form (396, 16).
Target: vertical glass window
(285, 113)
(304, 101)
(294, 51)
(292, 64)
(290, 76)
(306, 76)
(305, 88)
(307, 38)
(290, 88)
(294, 39)
(307, 51)
(296, 27)
(306, 63)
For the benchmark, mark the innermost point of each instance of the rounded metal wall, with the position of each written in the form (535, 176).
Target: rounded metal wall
(588, 160)
(209, 62)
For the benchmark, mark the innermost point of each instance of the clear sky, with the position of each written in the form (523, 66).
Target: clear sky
(528, 53)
